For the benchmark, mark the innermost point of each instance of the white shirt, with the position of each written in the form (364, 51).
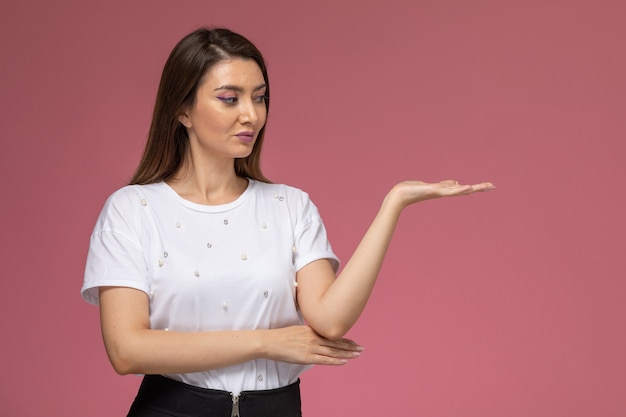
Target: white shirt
(208, 268)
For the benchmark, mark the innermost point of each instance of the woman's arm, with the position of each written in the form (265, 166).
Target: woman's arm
(133, 348)
(332, 305)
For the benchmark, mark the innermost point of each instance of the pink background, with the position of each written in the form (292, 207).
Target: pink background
(510, 303)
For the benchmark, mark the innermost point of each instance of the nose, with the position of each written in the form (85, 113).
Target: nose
(249, 112)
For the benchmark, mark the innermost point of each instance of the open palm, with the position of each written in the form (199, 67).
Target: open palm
(409, 192)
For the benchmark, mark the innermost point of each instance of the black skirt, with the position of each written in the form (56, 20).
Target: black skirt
(159, 396)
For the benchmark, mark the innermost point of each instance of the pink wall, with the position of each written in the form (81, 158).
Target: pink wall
(505, 304)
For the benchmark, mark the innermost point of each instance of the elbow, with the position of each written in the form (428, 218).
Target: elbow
(334, 331)
(123, 362)
(329, 326)
(122, 366)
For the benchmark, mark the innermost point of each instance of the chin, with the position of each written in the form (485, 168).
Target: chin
(245, 150)
(243, 155)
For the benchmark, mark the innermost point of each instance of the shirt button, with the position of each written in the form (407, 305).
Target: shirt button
(144, 202)
(244, 256)
(260, 378)
(161, 262)
(225, 222)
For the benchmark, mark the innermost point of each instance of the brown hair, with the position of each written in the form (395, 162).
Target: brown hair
(168, 143)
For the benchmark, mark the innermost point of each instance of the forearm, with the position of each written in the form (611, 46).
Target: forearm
(342, 303)
(164, 352)
(333, 307)
(133, 347)
(147, 351)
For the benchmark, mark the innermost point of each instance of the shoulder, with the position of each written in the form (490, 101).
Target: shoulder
(133, 196)
(296, 201)
(281, 192)
(126, 203)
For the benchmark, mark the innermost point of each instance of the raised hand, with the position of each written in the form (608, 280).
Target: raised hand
(331, 305)
(410, 192)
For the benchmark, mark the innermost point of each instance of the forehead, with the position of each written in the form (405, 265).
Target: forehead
(234, 72)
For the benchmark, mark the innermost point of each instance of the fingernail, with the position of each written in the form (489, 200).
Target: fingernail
(356, 353)
(360, 348)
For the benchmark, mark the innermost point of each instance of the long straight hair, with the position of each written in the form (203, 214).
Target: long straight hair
(168, 144)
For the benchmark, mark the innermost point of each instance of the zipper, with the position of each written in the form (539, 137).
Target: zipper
(235, 409)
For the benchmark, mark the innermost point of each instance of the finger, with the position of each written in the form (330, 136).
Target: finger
(460, 190)
(334, 353)
(329, 356)
(469, 189)
(344, 348)
(354, 344)
(485, 186)
(326, 360)
(343, 344)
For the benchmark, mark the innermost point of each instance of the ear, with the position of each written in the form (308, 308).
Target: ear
(184, 120)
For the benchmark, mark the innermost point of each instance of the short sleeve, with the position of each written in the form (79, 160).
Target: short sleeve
(115, 256)
(311, 239)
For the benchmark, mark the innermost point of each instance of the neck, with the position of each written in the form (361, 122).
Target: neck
(212, 183)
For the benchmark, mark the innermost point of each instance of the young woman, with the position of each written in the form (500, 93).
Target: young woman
(205, 272)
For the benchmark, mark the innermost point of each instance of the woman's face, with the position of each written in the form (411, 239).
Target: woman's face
(229, 110)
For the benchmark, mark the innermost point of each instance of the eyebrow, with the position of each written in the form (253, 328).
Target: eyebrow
(239, 89)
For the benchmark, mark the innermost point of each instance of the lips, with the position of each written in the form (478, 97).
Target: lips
(245, 136)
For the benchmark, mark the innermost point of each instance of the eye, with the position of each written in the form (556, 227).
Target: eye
(261, 99)
(228, 100)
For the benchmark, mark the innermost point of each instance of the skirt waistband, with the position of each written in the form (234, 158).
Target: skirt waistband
(160, 396)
